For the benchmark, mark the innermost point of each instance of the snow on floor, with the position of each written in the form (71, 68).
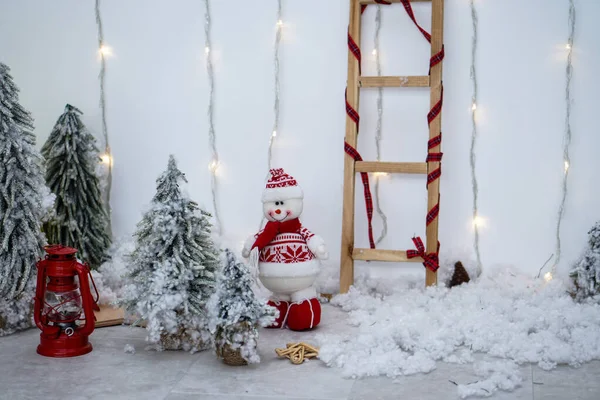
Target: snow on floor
(505, 315)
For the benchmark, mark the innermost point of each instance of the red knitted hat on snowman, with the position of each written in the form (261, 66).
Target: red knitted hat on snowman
(281, 186)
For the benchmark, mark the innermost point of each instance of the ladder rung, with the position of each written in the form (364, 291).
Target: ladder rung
(391, 167)
(383, 255)
(391, 1)
(393, 81)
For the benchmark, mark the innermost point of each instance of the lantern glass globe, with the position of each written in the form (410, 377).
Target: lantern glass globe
(62, 307)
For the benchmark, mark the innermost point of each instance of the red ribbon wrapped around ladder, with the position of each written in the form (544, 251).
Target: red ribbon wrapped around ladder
(430, 260)
(351, 151)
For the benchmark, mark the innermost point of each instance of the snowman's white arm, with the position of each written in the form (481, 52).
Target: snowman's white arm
(248, 245)
(315, 243)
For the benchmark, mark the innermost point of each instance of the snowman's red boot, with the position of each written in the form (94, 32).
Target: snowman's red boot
(283, 307)
(304, 315)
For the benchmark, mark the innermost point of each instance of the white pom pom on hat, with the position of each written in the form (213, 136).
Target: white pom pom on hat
(281, 186)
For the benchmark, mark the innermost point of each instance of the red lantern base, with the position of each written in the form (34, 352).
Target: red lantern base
(63, 345)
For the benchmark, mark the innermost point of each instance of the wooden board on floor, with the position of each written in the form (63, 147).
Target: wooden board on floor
(109, 316)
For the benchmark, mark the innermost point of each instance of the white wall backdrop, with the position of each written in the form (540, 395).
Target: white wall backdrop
(157, 97)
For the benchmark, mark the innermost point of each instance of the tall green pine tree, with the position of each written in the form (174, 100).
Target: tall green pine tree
(172, 270)
(81, 220)
(21, 208)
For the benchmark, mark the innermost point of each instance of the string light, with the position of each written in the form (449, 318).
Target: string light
(213, 166)
(279, 25)
(211, 127)
(276, 63)
(276, 68)
(379, 175)
(548, 276)
(104, 51)
(567, 134)
(477, 221)
(106, 159)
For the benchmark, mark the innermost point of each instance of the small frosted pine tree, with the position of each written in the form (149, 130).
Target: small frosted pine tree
(171, 274)
(81, 220)
(22, 201)
(586, 272)
(236, 312)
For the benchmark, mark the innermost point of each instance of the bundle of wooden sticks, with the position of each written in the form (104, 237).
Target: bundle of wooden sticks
(298, 352)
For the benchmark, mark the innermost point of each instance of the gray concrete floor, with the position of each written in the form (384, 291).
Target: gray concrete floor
(110, 373)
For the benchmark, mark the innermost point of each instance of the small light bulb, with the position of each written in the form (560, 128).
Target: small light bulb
(478, 221)
(548, 276)
(380, 174)
(105, 159)
(105, 50)
(274, 133)
(207, 49)
(213, 166)
(566, 166)
(474, 107)
(568, 46)
(374, 52)
(279, 23)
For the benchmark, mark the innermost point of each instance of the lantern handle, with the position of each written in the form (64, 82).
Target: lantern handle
(97, 308)
(83, 271)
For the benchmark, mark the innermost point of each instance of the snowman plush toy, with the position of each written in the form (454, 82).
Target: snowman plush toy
(288, 255)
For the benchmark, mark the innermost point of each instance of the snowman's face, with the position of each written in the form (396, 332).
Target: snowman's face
(282, 210)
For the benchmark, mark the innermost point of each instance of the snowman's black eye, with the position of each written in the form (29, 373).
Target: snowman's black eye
(276, 203)
(281, 202)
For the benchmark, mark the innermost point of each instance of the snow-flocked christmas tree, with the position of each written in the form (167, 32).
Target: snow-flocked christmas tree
(81, 220)
(173, 268)
(236, 312)
(586, 272)
(22, 206)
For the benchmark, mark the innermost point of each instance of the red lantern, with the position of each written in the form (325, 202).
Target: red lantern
(59, 304)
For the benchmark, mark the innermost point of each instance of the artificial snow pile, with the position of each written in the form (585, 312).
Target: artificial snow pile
(503, 315)
(110, 275)
(498, 375)
(328, 280)
(129, 349)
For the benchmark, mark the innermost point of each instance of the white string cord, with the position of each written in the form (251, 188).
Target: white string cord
(474, 185)
(380, 212)
(102, 77)
(567, 134)
(276, 69)
(211, 128)
(274, 132)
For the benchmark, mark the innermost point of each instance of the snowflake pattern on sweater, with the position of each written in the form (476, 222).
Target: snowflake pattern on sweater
(288, 248)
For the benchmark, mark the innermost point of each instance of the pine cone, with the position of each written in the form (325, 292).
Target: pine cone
(460, 275)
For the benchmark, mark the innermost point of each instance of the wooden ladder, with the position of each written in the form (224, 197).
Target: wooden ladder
(353, 163)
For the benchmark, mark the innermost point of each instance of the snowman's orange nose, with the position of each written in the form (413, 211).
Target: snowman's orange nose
(278, 211)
